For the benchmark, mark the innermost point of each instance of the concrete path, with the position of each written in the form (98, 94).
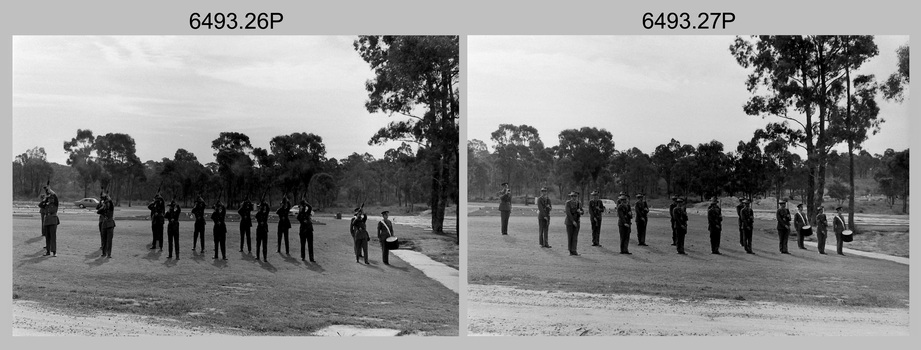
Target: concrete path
(437, 271)
(830, 249)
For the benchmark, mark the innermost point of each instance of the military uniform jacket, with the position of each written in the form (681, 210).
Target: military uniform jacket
(244, 211)
(157, 208)
(303, 217)
(783, 219)
(642, 211)
(624, 215)
(51, 211)
(572, 212)
(543, 207)
(384, 229)
(359, 227)
(262, 216)
(505, 202)
(799, 220)
(595, 208)
(714, 218)
(821, 222)
(106, 213)
(172, 216)
(199, 211)
(283, 221)
(671, 211)
(739, 212)
(839, 224)
(681, 217)
(218, 215)
(747, 218)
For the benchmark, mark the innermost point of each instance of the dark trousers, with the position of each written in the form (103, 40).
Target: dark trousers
(44, 230)
(262, 240)
(715, 240)
(307, 237)
(283, 233)
(198, 234)
(674, 233)
(679, 239)
(172, 239)
(385, 253)
(747, 239)
(641, 231)
(361, 249)
(108, 233)
(505, 214)
(102, 238)
(572, 237)
(51, 239)
(741, 235)
(822, 235)
(543, 226)
(596, 230)
(799, 239)
(220, 238)
(624, 237)
(245, 238)
(157, 228)
(784, 235)
(840, 242)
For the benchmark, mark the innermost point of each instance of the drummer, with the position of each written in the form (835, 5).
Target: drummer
(821, 226)
(801, 226)
(385, 230)
(839, 226)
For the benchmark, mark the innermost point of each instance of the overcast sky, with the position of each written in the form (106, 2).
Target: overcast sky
(645, 90)
(181, 92)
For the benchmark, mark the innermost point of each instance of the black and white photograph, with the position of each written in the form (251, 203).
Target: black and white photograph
(235, 185)
(729, 185)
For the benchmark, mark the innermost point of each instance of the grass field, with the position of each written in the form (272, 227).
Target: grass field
(805, 277)
(283, 296)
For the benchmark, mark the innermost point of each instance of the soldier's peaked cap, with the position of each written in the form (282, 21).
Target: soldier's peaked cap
(385, 212)
(680, 200)
(594, 193)
(503, 184)
(639, 195)
(674, 197)
(543, 189)
(782, 202)
(573, 193)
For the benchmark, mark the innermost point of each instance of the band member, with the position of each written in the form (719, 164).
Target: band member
(157, 208)
(305, 230)
(360, 234)
(106, 211)
(783, 226)
(747, 225)
(543, 218)
(624, 215)
(385, 230)
(799, 220)
(246, 223)
(681, 225)
(262, 230)
(283, 223)
(595, 211)
(821, 228)
(715, 225)
(172, 229)
(198, 233)
(739, 215)
(573, 212)
(102, 233)
(51, 222)
(642, 217)
(505, 206)
(839, 226)
(671, 216)
(220, 229)
(42, 212)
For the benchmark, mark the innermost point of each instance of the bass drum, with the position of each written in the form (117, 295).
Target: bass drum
(806, 231)
(392, 243)
(847, 236)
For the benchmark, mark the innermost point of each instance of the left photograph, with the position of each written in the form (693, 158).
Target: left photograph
(235, 185)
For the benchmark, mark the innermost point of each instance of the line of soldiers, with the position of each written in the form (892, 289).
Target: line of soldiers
(678, 219)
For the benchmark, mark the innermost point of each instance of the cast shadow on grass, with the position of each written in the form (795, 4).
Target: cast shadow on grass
(93, 255)
(401, 268)
(509, 239)
(765, 254)
(220, 263)
(291, 260)
(153, 255)
(315, 267)
(34, 258)
(98, 261)
(552, 251)
(267, 266)
(198, 257)
(35, 239)
(170, 262)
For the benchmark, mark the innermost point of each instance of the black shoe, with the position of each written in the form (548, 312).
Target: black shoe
(169, 256)
(717, 253)
(784, 252)
(202, 251)
(265, 260)
(241, 250)
(823, 253)
(682, 253)
(312, 261)
(505, 234)
(214, 258)
(626, 253)
(152, 248)
(46, 254)
(548, 246)
(102, 256)
(108, 256)
(225, 258)
(177, 257)
(643, 244)
(573, 253)
(367, 263)
(386, 263)
(842, 254)
(803, 248)
(674, 244)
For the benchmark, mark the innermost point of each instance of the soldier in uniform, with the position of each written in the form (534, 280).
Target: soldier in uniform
(172, 229)
(384, 230)
(839, 226)
(715, 225)
(51, 222)
(543, 218)
(821, 228)
(595, 211)
(799, 220)
(283, 223)
(573, 212)
(739, 215)
(157, 208)
(102, 233)
(747, 225)
(246, 223)
(624, 215)
(220, 229)
(671, 215)
(305, 230)
(42, 211)
(198, 230)
(681, 224)
(642, 217)
(505, 206)
(360, 234)
(783, 226)
(262, 230)
(106, 211)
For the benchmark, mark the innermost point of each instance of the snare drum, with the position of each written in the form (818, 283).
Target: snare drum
(806, 231)
(847, 236)
(392, 243)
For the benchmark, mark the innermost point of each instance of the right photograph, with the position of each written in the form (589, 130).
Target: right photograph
(688, 185)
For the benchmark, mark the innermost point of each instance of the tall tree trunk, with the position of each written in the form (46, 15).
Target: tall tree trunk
(850, 152)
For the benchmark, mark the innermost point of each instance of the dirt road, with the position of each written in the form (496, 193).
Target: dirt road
(500, 310)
